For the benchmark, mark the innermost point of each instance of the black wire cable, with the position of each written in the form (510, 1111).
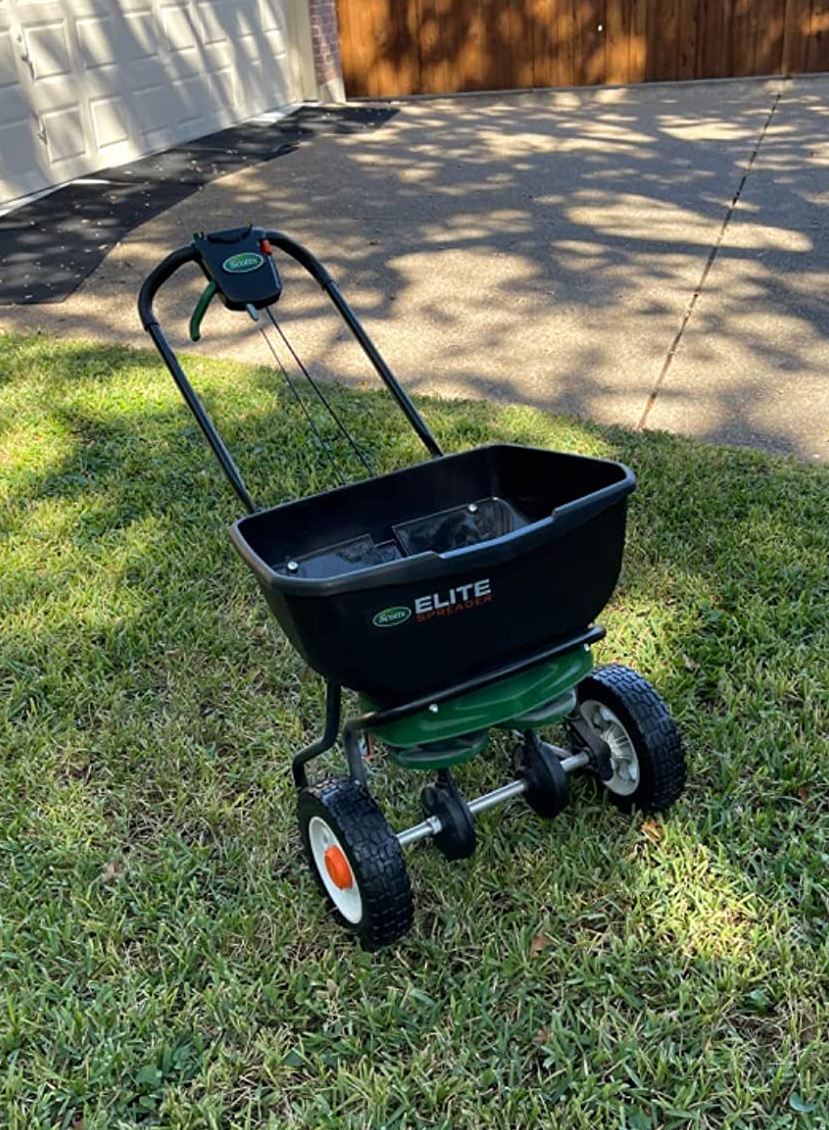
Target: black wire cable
(303, 406)
(344, 430)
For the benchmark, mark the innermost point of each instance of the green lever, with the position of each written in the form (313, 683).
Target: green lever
(201, 307)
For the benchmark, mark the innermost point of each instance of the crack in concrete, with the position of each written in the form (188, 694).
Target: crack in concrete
(712, 255)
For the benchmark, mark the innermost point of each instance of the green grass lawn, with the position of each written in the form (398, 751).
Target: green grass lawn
(166, 960)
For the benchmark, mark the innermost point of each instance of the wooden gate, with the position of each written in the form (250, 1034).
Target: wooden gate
(396, 47)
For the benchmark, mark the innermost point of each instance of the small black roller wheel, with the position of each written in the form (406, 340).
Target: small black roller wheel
(536, 763)
(356, 860)
(457, 838)
(646, 751)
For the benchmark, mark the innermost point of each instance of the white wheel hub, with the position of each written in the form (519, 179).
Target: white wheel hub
(331, 862)
(623, 759)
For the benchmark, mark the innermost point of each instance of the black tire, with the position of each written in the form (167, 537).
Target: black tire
(374, 855)
(652, 732)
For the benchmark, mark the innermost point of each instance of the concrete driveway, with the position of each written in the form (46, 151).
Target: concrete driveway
(654, 256)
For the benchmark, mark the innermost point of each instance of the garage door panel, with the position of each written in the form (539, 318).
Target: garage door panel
(218, 56)
(255, 85)
(179, 30)
(111, 122)
(141, 34)
(222, 65)
(251, 48)
(159, 70)
(65, 135)
(141, 74)
(16, 106)
(247, 17)
(275, 59)
(24, 159)
(47, 50)
(98, 42)
(192, 98)
(271, 15)
(275, 43)
(225, 88)
(8, 62)
(219, 21)
(16, 145)
(163, 110)
(151, 107)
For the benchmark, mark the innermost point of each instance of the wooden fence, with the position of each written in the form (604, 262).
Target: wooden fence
(395, 47)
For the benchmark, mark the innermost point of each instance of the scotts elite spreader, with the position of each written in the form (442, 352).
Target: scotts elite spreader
(456, 597)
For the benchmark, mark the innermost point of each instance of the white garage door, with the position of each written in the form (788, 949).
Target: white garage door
(90, 83)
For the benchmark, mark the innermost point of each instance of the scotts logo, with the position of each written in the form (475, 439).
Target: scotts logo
(243, 262)
(391, 617)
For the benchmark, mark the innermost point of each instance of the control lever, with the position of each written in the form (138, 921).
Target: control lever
(204, 301)
(239, 267)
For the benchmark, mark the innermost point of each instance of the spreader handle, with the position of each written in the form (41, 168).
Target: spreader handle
(268, 240)
(156, 279)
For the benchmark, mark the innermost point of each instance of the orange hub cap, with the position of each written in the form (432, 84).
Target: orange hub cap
(338, 868)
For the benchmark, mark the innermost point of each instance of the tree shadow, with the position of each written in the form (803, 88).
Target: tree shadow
(542, 249)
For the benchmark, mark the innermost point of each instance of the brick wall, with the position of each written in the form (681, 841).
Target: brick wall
(326, 39)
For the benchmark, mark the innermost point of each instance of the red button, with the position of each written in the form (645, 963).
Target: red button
(265, 247)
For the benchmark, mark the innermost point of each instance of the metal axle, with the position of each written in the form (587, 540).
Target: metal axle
(431, 826)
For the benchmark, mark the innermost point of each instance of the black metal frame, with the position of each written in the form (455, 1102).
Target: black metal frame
(586, 740)
(184, 255)
(355, 727)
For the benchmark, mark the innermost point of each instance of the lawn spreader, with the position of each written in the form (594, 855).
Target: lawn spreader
(456, 596)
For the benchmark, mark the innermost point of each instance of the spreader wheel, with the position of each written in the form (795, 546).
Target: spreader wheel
(357, 861)
(646, 751)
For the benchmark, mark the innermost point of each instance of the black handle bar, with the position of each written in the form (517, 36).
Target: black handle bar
(183, 255)
(156, 279)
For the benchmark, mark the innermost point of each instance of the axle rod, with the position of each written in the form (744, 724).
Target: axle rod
(497, 796)
(431, 826)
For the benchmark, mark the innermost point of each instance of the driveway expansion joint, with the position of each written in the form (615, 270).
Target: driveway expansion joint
(709, 262)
